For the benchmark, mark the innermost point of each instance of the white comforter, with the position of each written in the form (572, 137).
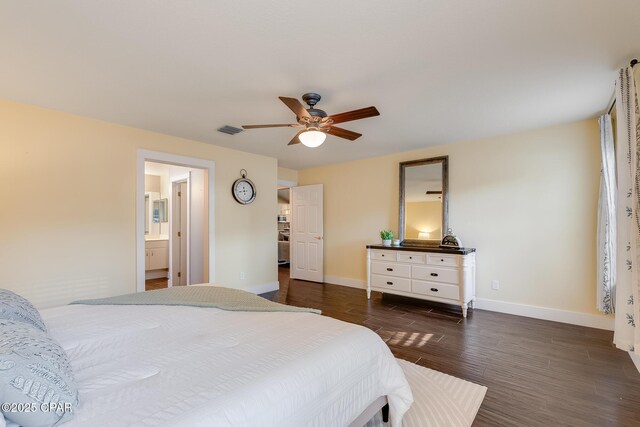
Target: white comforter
(187, 366)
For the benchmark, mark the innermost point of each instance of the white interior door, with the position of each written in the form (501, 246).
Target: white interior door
(307, 225)
(179, 234)
(198, 227)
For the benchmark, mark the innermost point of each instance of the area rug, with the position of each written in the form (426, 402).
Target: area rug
(439, 400)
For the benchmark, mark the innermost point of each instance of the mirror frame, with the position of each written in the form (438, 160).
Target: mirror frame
(445, 200)
(163, 216)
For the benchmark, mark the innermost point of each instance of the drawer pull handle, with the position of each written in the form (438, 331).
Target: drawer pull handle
(389, 269)
(434, 289)
(434, 274)
(441, 260)
(382, 255)
(410, 257)
(389, 283)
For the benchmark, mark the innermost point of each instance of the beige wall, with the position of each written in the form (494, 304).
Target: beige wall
(67, 222)
(285, 174)
(423, 217)
(527, 202)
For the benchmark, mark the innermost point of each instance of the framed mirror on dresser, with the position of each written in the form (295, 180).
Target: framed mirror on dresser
(424, 201)
(421, 268)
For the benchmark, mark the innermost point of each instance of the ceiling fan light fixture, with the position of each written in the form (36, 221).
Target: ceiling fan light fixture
(316, 123)
(312, 138)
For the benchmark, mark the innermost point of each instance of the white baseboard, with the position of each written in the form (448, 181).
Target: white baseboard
(555, 315)
(263, 287)
(636, 360)
(344, 281)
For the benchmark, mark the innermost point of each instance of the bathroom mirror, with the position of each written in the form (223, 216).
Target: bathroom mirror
(424, 201)
(160, 210)
(150, 199)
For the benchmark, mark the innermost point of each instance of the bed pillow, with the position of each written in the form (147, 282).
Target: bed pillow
(14, 307)
(34, 372)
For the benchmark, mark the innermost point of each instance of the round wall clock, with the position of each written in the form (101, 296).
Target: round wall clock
(243, 189)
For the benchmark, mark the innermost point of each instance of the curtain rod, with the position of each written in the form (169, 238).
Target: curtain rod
(632, 64)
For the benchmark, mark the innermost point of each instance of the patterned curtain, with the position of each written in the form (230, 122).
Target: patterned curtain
(627, 330)
(607, 220)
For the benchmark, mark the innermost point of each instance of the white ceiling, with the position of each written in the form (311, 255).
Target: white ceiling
(439, 71)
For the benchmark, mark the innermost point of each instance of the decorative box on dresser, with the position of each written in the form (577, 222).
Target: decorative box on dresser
(446, 275)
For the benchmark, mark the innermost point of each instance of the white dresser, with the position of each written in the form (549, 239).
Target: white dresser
(429, 273)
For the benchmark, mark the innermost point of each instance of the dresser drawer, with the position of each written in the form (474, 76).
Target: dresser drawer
(435, 274)
(397, 283)
(433, 289)
(444, 260)
(391, 269)
(412, 257)
(383, 255)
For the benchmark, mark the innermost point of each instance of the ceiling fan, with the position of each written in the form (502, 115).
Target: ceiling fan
(316, 123)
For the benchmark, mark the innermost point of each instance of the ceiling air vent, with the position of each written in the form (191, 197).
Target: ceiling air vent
(229, 130)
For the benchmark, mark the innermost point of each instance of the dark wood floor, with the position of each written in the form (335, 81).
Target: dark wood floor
(539, 373)
(153, 284)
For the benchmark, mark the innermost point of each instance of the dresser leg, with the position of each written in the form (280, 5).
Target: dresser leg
(368, 273)
(464, 310)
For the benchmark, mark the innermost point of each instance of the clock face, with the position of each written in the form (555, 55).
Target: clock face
(244, 191)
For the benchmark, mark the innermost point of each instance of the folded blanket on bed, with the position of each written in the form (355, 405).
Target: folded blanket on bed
(199, 296)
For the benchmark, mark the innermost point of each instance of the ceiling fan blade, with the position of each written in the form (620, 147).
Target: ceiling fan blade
(295, 106)
(362, 113)
(292, 125)
(295, 139)
(343, 133)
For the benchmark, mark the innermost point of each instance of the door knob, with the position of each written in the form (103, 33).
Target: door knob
(318, 237)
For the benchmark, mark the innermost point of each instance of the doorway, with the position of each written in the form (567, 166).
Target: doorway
(175, 220)
(284, 227)
(301, 231)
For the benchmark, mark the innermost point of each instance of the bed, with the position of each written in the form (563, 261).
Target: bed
(162, 365)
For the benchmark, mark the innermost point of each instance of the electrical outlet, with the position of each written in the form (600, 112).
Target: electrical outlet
(495, 285)
(243, 275)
